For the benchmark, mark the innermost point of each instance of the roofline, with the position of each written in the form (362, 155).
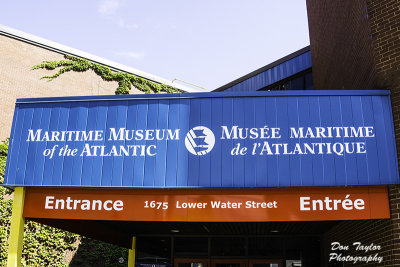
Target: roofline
(62, 49)
(285, 93)
(262, 69)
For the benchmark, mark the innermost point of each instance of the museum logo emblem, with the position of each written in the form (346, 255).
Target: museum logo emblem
(199, 140)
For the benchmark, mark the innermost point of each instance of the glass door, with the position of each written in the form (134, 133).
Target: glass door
(226, 263)
(191, 263)
(229, 263)
(265, 263)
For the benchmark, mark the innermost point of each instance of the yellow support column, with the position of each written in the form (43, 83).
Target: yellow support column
(132, 253)
(17, 229)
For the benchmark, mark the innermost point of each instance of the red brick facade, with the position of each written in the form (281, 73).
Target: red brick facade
(385, 233)
(341, 47)
(385, 30)
(356, 45)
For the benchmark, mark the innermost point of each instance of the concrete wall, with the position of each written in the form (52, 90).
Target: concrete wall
(17, 80)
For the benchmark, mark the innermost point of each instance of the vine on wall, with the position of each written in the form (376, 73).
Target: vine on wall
(96, 253)
(5, 206)
(47, 246)
(125, 80)
(43, 245)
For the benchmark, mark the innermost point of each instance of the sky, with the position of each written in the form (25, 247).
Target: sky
(208, 43)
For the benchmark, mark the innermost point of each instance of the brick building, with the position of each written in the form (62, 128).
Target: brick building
(354, 45)
(20, 51)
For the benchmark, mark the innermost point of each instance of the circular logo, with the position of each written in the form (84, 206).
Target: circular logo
(199, 140)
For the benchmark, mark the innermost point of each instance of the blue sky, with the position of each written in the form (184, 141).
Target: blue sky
(207, 43)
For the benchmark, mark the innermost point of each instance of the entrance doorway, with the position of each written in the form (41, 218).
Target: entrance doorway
(265, 263)
(227, 263)
(229, 251)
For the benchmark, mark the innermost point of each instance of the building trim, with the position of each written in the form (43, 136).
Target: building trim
(62, 49)
(265, 68)
(205, 95)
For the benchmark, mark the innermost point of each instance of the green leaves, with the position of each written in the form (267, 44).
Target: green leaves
(43, 245)
(3, 158)
(125, 80)
(95, 253)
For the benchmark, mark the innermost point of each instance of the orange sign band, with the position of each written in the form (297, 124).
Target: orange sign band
(208, 205)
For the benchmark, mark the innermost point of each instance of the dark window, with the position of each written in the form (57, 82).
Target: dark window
(191, 247)
(228, 246)
(309, 83)
(297, 83)
(271, 247)
(153, 249)
(301, 81)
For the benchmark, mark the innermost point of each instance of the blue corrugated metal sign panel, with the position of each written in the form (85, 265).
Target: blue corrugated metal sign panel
(263, 139)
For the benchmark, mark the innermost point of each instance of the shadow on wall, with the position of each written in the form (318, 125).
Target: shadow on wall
(96, 253)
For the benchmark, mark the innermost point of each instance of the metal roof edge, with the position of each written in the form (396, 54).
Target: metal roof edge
(262, 69)
(62, 49)
(205, 95)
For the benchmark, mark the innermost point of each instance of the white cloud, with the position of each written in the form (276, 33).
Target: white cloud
(109, 7)
(131, 55)
(124, 25)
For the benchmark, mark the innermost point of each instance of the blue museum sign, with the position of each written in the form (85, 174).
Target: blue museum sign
(260, 139)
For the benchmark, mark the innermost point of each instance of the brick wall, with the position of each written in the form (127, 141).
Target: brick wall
(379, 232)
(341, 47)
(17, 80)
(356, 45)
(384, 20)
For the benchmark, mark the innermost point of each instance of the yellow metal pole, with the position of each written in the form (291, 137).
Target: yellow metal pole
(132, 253)
(17, 229)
